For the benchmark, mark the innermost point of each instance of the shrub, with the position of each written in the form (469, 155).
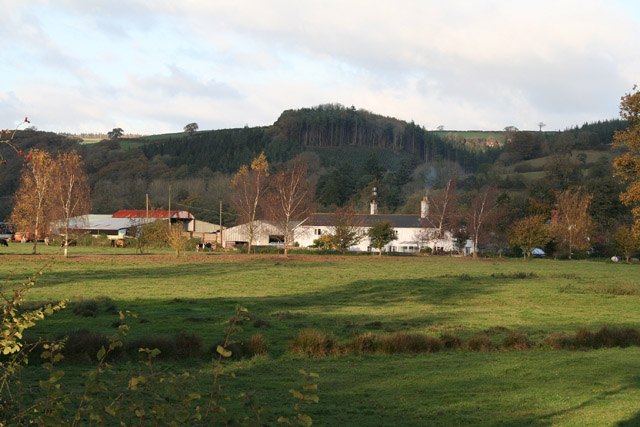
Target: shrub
(516, 340)
(91, 307)
(402, 342)
(85, 308)
(480, 342)
(257, 345)
(605, 337)
(450, 341)
(166, 345)
(188, 345)
(83, 345)
(365, 343)
(314, 343)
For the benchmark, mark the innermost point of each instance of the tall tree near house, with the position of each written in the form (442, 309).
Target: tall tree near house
(530, 233)
(70, 191)
(32, 204)
(627, 166)
(289, 199)
(380, 234)
(482, 213)
(346, 229)
(442, 205)
(249, 186)
(574, 224)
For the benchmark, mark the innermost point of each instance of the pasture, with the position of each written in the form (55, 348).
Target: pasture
(347, 297)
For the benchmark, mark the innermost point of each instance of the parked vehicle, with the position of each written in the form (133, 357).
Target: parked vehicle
(7, 231)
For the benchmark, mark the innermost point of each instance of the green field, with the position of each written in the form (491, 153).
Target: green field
(348, 296)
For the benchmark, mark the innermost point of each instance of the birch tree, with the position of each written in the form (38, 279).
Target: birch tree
(70, 191)
(32, 202)
(249, 186)
(289, 199)
(483, 209)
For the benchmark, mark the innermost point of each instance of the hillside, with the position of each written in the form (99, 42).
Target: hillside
(349, 151)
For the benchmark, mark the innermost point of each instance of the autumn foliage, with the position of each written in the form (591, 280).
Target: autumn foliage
(627, 166)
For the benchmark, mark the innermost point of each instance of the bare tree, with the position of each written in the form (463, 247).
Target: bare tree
(541, 125)
(70, 191)
(249, 186)
(441, 208)
(482, 212)
(289, 199)
(32, 203)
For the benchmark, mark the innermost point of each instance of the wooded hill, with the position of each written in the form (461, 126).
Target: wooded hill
(349, 151)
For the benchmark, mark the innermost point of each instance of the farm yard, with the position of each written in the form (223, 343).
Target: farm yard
(498, 351)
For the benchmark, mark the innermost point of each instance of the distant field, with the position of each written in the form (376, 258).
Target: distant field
(499, 136)
(91, 140)
(347, 296)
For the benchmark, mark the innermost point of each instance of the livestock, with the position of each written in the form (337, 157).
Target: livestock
(3, 242)
(207, 246)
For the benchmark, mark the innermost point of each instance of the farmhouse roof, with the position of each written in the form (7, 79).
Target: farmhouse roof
(398, 221)
(141, 213)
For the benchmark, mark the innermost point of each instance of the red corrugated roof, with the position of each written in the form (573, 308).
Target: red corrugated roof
(152, 214)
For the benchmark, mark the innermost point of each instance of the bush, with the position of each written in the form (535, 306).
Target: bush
(83, 345)
(605, 337)
(188, 345)
(516, 340)
(479, 343)
(86, 308)
(91, 307)
(449, 341)
(409, 343)
(257, 345)
(365, 343)
(314, 343)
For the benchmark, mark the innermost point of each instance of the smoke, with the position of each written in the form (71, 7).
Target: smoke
(429, 180)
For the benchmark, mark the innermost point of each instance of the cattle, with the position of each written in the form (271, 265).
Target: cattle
(70, 243)
(3, 242)
(118, 244)
(204, 246)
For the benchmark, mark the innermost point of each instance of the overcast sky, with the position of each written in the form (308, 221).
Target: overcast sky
(152, 66)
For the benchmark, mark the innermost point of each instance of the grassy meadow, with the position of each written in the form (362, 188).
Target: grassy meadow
(350, 296)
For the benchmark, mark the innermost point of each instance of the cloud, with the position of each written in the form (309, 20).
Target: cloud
(462, 64)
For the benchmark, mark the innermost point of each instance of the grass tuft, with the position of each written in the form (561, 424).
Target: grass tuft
(314, 343)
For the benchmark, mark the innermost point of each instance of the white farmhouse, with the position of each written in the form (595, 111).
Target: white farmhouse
(410, 231)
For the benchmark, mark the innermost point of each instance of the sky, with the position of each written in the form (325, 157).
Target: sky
(153, 66)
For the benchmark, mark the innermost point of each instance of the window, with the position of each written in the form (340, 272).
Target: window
(318, 232)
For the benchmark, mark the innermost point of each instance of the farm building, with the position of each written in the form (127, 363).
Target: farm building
(265, 233)
(412, 231)
(176, 217)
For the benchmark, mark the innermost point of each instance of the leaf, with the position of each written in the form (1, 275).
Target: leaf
(304, 420)
(284, 420)
(311, 398)
(101, 353)
(56, 376)
(155, 352)
(223, 351)
(310, 387)
(303, 372)
(182, 416)
(296, 394)
(115, 345)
